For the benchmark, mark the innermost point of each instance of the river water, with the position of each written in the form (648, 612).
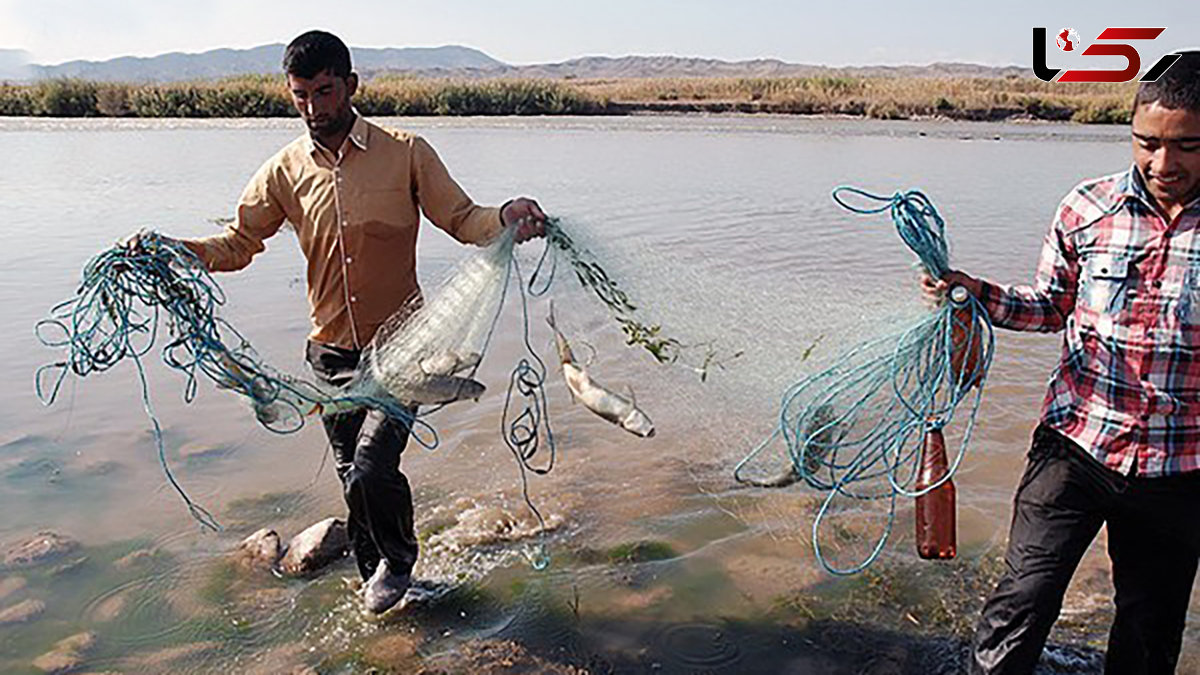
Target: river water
(721, 228)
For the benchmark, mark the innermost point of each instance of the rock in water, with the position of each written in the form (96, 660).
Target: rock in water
(316, 547)
(10, 585)
(22, 612)
(260, 550)
(67, 655)
(43, 547)
(136, 559)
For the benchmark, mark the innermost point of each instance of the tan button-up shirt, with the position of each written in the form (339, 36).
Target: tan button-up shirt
(355, 214)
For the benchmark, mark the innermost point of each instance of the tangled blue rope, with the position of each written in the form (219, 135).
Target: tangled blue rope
(115, 314)
(855, 429)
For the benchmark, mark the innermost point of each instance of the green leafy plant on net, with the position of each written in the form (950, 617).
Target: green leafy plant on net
(593, 277)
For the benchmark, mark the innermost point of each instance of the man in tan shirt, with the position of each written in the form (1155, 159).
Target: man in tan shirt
(352, 190)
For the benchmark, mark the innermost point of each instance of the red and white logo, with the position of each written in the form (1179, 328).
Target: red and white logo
(1110, 42)
(1068, 40)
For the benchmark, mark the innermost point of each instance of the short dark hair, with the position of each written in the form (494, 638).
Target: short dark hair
(1178, 88)
(315, 52)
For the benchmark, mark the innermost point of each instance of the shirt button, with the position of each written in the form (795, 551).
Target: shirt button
(354, 298)
(1145, 417)
(1157, 284)
(350, 260)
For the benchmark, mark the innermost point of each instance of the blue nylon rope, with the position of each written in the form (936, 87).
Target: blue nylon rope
(115, 314)
(855, 429)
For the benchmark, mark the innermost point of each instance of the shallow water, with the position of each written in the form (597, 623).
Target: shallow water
(720, 227)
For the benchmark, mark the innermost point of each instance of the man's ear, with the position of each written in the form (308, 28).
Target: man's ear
(351, 84)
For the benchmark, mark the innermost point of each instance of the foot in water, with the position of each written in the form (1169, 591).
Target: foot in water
(384, 589)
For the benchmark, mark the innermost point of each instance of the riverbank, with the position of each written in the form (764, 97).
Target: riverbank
(875, 97)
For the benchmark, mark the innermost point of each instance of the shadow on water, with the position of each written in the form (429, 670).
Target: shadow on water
(544, 639)
(881, 623)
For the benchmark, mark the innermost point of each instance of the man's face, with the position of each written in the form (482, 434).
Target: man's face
(1166, 149)
(323, 101)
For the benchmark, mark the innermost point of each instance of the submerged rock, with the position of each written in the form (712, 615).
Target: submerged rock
(392, 649)
(260, 550)
(67, 655)
(22, 612)
(172, 659)
(484, 525)
(109, 608)
(493, 657)
(316, 547)
(101, 468)
(199, 451)
(289, 659)
(43, 547)
(68, 566)
(138, 558)
(11, 585)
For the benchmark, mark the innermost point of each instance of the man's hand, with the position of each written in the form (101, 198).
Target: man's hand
(134, 241)
(527, 216)
(933, 291)
(137, 240)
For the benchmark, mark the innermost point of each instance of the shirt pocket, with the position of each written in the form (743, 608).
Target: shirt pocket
(1106, 283)
(1187, 310)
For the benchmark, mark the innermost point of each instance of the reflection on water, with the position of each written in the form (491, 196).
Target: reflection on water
(720, 227)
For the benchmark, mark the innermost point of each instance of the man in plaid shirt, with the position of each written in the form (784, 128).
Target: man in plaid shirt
(1119, 439)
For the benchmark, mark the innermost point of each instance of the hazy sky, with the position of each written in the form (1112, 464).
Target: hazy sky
(531, 31)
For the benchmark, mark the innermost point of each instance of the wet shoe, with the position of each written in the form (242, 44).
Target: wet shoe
(384, 589)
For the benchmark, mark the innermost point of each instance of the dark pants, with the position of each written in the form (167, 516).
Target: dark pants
(1153, 540)
(366, 449)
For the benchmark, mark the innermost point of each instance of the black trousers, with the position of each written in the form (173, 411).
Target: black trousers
(366, 450)
(1064, 497)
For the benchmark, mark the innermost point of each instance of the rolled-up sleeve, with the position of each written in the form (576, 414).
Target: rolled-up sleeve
(445, 203)
(259, 216)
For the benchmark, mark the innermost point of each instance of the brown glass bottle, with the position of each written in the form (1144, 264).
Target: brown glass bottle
(967, 341)
(936, 527)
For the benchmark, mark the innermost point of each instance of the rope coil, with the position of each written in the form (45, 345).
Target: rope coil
(855, 428)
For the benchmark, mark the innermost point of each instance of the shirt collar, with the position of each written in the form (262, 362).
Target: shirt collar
(1132, 185)
(360, 131)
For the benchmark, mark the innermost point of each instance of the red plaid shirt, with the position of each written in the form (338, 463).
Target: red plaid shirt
(1124, 283)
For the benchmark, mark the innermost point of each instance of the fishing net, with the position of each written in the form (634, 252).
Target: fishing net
(425, 357)
(854, 430)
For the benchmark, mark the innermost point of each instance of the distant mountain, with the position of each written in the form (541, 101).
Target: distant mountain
(457, 61)
(220, 63)
(675, 66)
(14, 65)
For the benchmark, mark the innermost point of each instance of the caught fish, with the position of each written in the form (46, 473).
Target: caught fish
(441, 389)
(613, 407)
(821, 433)
(448, 362)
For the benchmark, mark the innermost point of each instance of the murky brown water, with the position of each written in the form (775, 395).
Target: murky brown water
(721, 227)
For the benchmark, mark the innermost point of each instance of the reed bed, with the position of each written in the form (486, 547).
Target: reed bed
(876, 97)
